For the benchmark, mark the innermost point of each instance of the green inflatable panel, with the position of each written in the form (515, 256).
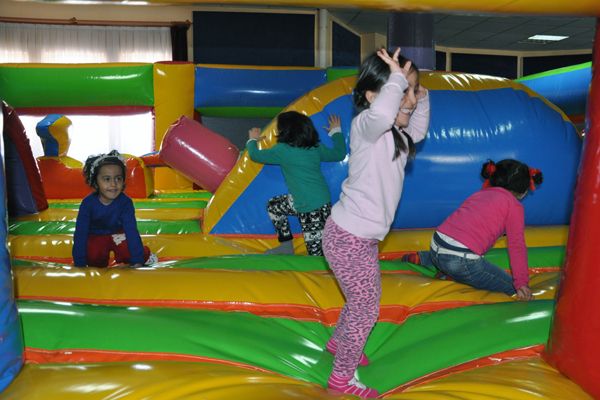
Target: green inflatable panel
(424, 344)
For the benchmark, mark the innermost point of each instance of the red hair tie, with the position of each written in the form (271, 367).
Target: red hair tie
(532, 173)
(490, 168)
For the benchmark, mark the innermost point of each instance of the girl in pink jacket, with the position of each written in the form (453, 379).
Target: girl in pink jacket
(393, 115)
(459, 243)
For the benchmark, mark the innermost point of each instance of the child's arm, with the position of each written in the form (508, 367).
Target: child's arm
(419, 120)
(80, 237)
(132, 235)
(338, 151)
(517, 251)
(265, 156)
(381, 115)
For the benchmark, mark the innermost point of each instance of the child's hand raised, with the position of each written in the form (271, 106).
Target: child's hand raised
(421, 92)
(254, 133)
(334, 122)
(393, 61)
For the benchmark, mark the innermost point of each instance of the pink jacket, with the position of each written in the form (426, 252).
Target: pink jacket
(371, 192)
(483, 218)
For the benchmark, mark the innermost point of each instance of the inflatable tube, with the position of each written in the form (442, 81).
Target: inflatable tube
(80, 85)
(11, 344)
(227, 91)
(573, 348)
(162, 379)
(567, 87)
(201, 155)
(25, 191)
(63, 178)
(53, 131)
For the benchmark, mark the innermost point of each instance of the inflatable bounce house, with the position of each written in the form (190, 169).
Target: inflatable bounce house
(217, 319)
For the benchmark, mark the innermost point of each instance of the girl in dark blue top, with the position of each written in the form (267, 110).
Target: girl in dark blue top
(106, 219)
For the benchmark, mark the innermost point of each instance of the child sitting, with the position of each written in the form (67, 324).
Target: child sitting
(106, 219)
(299, 154)
(458, 245)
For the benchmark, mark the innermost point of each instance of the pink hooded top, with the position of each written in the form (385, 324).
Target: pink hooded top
(482, 218)
(371, 192)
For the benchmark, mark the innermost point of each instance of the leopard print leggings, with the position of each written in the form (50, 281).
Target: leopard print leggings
(354, 262)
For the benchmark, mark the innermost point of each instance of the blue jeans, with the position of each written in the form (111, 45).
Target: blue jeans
(478, 273)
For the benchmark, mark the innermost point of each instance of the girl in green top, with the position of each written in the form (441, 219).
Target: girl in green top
(299, 154)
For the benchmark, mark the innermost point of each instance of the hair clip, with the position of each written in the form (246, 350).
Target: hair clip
(533, 173)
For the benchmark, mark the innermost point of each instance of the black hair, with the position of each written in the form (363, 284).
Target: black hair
(93, 164)
(296, 130)
(511, 175)
(373, 74)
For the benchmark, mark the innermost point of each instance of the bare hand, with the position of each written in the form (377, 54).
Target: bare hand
(524, 293)
(393, 61)
(334, 122)
(254, 133)
(421, 93)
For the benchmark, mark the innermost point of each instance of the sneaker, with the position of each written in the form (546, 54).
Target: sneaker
(412, 257)
(351, 386)
(332, 348)
(152, 259)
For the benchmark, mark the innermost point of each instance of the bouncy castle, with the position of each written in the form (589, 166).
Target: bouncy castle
(216, 318)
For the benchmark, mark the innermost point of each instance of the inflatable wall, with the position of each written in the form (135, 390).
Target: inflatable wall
(473, 118)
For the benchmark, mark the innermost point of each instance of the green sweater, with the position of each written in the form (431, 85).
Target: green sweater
(301, 169)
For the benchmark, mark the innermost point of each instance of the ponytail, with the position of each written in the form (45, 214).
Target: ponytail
(400, 146)
(511, 175)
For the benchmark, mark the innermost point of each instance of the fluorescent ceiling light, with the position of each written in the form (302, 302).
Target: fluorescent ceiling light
(551, 38)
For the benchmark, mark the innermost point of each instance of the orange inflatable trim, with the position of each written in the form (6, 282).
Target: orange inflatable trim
(62, 178)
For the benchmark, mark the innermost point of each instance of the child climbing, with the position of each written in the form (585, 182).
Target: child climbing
(299, 153)
(459, 243)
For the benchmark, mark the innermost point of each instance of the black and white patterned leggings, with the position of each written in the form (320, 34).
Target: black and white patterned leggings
(312, 222)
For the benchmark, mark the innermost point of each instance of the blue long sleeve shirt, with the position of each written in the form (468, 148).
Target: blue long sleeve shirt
(99, 219)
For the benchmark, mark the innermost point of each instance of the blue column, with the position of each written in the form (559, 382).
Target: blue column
(413, 32)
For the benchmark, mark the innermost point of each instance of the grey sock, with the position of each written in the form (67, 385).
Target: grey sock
(286, 247)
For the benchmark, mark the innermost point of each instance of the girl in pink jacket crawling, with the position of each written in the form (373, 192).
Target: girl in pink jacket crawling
(459, 243)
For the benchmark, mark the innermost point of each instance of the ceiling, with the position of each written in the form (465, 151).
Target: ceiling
(486, 31)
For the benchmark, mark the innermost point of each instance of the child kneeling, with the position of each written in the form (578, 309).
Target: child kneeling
(106, 219)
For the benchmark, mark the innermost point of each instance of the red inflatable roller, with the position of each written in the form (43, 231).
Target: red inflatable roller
(574, 346)
(199, 154)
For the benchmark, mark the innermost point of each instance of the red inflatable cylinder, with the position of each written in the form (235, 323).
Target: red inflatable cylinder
(201, 155)
(574, 346)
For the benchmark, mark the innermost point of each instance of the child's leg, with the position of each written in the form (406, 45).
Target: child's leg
(313, 223)
(355, 265)
(121, 249)
(478, 273)
(278, 208)
(485, 275)
(98, 250)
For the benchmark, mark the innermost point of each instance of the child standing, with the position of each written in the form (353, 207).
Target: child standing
(394, 114)
(106, 219)
(299, 154)
(460, 241)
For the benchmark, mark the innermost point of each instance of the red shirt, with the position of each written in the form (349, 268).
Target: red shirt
(483, 218)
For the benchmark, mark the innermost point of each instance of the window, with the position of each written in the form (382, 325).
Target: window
(33, 43)
(254, 38)
(94, 134)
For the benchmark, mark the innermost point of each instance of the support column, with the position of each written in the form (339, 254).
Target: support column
(574, 345)
(323, 38)
(413, 32)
